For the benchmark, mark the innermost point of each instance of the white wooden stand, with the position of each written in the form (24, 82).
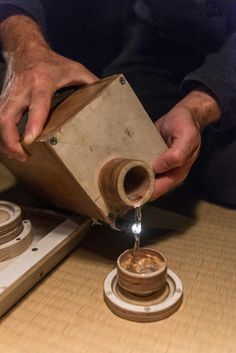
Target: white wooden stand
(27, 269)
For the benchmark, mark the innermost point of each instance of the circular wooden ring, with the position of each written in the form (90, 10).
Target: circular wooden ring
(17, 245)
(127, 181)
(10, 228)
(10, 216)
(11, 235)
(143, 312)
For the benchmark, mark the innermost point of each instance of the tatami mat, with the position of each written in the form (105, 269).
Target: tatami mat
(66, 313)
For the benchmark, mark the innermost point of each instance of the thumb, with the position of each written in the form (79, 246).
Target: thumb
(81, 75)
(171, 158)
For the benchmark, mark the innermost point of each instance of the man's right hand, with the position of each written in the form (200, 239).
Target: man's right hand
(34, 74)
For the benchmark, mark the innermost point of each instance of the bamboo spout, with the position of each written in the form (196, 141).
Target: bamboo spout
(127, 181)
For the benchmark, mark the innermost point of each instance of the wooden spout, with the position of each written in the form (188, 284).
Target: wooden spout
(127, 181)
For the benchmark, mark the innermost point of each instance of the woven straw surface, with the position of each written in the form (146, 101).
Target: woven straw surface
(66, 313)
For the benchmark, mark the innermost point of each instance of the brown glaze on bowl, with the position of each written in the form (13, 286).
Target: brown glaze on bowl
(142, 274)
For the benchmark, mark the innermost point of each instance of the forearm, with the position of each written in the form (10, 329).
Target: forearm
(218, 75)
(18, 34)
(204, 107)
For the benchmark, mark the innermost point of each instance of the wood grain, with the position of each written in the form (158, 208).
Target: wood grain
(18, 244)
(94, 125)
(5, 237)
(10, 216)
(154, 307)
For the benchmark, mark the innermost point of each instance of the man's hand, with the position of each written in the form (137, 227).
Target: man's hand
(34, 74)
(180, 128)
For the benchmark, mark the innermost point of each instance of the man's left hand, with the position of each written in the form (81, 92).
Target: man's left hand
(180, 128)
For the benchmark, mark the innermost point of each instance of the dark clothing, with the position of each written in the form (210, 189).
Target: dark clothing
(195, 38)
(193, 41)
(174, 46)
(89, 31)
(169, 53)
(215, 169)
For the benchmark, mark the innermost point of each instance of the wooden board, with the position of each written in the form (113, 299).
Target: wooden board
(20, 274)
(94, 125)
(7, 179)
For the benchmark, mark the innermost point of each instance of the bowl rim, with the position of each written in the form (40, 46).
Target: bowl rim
(142, 275)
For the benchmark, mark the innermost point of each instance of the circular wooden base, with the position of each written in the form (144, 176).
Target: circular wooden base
(10, 217)
(15, 234)
(154, 307)
(17, 245)
(4, 238)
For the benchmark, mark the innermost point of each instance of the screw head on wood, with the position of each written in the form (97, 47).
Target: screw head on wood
(122, 80)
(53, 140)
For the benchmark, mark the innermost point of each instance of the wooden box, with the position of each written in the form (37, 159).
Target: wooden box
(96, 124)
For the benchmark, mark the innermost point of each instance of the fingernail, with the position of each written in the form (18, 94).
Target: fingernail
(28, 139)
(21, 159)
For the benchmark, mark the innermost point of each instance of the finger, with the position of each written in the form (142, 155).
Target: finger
(88, 77)
(38, 113)
(10, 114)
(10, 144)
(78, 75)
(166, 182)
(84, 75)
(183, 150)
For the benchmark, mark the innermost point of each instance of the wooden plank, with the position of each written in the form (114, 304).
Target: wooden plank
(34, 264)
(49, 179)
(7, 179)
(73, 105)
